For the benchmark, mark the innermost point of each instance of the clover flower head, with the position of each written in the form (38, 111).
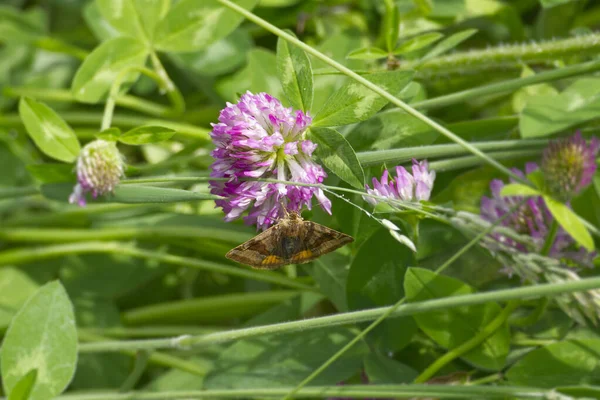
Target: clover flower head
(533, 219)
(100, 167)
(569, 164)
(259, 138)
(403, 186)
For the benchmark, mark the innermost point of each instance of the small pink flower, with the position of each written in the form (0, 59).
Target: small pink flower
(404, 186)
(99, 169)
(569, 165)
(532, 219)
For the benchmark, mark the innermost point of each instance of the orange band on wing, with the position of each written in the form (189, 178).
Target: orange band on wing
(302, 256)
(272, 260)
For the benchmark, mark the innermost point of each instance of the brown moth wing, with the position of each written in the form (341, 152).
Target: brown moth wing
(318, 240)
(260, 251)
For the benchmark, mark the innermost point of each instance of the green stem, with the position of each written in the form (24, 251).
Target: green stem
(532, 317)
(506, 57)
(91, 118)
(153, 331)
(529, 292)
(533, 342)
(383, 93)
(109, 107)
(71, 214)
(507, 86)
(165, 360)
(57, 46)
(320, 392)
(62, 235)
(394, 308)
(453, 164)
(469, 345)
(29, 254)
(221, 307)
(168, 86)
(127, 101)
(8, 193)
(486, 379)
(139, 366)
(550, 238)
(368, 158)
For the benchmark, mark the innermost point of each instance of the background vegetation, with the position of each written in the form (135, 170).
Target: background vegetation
(133, 293)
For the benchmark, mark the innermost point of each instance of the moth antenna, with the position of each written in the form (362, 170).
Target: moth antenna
(339, 196)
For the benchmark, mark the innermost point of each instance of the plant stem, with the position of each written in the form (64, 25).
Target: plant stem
(452, 164)
(109, 107)
(320, 392)
(383, 93)
(128, 101)
(550, 238)
(11, 192)
(139, 366)
(368, 158)
(486, 379)
(160, 76)
(168, 86)
(58, 46)
(221, 307)
(91, 118)
(62, 235)
(469, 345)
(534, 316)
(510, 57)
(29, 254)
(533, 342)
(507, 86)
(529, 292)
(157, 358)
(80, 213)
(153, 331)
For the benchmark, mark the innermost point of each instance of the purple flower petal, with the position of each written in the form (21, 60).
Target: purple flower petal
(259, 138)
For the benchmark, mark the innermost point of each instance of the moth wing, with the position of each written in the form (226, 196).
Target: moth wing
(318, 240)
(262, 251)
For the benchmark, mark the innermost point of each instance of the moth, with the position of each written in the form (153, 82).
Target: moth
(291, 241)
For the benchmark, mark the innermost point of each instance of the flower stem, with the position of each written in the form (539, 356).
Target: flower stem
(62, 235)
(139, 366)
(168, 86)
(533, 316)
(469, 345)
(321, 392)
(152, 331)
(452, 164)
(383, 93)
(509, 57)
(486, 379)
(57, 46)
(550, 238)
(165, 360)
(507, 86)
(529, 292)
(160, 77)
(220, 307)
(368, 158)
(131, 102)
(11, 192)
(129, 121)
(109, 106)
